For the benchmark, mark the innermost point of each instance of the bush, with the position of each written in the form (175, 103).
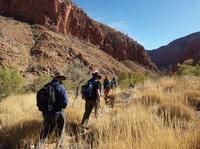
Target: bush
(76, 73)
(11, 82)
(130, 78)
(189, 68)
(39, 82)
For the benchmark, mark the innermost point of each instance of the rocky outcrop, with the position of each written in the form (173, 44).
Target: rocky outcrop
(177, 51)
(67, 18)
(34, 49)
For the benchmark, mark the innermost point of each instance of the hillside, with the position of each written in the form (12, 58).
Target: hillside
(66, 18)
(34, 49)
(177, 51)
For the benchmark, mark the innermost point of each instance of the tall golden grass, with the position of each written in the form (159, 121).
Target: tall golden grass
(159, 114)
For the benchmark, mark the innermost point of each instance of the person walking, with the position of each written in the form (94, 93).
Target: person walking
(106, 87)
(91, 94)
(114, 83)
(51, 101)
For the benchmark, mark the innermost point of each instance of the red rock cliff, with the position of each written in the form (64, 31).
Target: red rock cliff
(67, 18)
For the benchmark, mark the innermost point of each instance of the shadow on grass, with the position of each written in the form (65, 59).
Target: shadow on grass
(15, 136)
(27, 132)
(87, 138)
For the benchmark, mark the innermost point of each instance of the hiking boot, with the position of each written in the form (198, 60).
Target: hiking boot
(60, 144)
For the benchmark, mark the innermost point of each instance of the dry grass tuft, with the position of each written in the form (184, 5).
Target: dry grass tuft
(151, 98)
(172, 113)
(156, 114)
(193, 97)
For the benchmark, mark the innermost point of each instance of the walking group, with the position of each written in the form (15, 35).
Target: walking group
(52, 99)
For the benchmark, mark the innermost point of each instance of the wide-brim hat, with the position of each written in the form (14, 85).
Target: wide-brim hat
(59, 74)
(96, 74)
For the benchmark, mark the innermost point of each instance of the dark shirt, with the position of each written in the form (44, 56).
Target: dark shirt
(61, 97)
(96, 86)
(114, 83)
(106, 84)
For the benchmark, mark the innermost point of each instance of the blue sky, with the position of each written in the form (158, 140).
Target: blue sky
(153, 23)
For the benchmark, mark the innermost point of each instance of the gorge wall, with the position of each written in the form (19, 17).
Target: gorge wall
(67, 18)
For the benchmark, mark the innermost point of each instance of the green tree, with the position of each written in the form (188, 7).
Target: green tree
(11, 82)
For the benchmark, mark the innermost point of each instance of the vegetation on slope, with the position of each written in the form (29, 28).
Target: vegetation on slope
(11, 82)
(189, 67)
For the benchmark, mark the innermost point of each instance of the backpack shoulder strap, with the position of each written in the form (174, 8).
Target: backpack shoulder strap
(53, 91)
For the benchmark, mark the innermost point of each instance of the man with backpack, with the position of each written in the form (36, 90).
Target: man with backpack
(91, 93)
(51, 100)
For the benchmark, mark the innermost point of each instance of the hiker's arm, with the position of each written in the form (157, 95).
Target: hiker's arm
(98, 96)
(64, 98)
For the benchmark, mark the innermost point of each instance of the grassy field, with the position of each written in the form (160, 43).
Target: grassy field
(157, 114)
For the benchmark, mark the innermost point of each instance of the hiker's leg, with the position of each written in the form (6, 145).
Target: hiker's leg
(108, 96)
(60, 130)
(106, 91)
(88, 110)
(47, 129)
(53, 124)
(96, 108)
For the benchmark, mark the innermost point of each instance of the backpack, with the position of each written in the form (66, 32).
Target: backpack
(87, 90)
(46, 98)
(107, 84)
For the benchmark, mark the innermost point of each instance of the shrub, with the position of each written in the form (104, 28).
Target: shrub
(130, 78)
(11, 82)
(76, 73)
(189, 68)
(39, 82)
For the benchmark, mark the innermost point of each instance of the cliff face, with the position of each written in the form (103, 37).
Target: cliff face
(177, 51)
(34, 49)
(67, 18)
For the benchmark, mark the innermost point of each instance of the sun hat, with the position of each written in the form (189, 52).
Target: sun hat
(96, 74)
(59, 74)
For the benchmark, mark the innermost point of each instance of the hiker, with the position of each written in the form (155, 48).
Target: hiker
(91, 94)
(106, 87)
(52, 109)
(114, 83)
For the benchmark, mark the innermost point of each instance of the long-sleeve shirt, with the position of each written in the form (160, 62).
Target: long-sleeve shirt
(61, 97)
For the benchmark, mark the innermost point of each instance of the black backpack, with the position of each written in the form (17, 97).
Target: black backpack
(46, 98)
(87, 90)
(107, 84)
